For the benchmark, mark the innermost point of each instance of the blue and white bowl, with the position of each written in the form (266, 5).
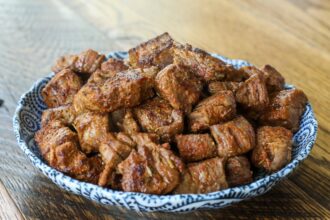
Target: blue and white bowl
(27, 119)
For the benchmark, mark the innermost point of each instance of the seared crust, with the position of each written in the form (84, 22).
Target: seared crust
(179, 87)
(218, 86)
(126, 89)
(154, 52)
(200, 62)
(195, 147)
(203, 177)
(61, 89)
(84, 63)
(285, 109)
(157, 116)
(273, 148)
(151, 169)
(234, 138)
(252, 94)
(238, 171)
(65, 114)
(124, 120)
(217, 108)
(91, 128)
(59, 147)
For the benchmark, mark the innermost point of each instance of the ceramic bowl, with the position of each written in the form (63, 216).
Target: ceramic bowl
(27, 119)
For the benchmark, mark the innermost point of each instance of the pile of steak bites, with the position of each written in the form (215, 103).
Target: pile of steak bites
(170, 119)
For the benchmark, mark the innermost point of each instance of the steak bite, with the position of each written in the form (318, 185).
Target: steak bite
(195, 147)
(91, 128)
(154, 52)
(151, 169)
(212, 110)
(114, 148)
(218, 86)
(273, 150)
(238, 171)
(84, 63)
(274, 80)
(123, 120)
(113, 65)
(126, 89)
(203, 177)
(233, 138)
(64, 113)
(59, 146)
(61, 89)
(199, 62)
(179, 87)
(252, 94)
(285, 109)
(157, 116)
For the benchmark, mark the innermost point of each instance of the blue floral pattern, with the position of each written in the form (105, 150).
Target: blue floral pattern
(26, 122)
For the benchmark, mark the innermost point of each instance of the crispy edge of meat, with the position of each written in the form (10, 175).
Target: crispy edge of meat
(217, 108)
(228, 137)
(156, 51)
(273, 149)
(195, 147)
(55, 94)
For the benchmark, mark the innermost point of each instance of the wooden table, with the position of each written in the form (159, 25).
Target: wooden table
(292, 35)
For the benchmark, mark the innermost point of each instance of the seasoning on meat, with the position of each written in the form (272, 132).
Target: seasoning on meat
(233, 138)
(273, 149)
(179, 87)
(217, 108)
(285, 109)
(195, 147)
(157, 116)
(238, 171)
(61, 89)
(203, 177)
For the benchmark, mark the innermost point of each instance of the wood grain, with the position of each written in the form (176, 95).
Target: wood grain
(292, 35)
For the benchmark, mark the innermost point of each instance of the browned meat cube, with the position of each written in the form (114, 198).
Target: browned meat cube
(179, 87)
(273, 150)
(203, 177)
(111, 159)
(212, 110)
(151, 169)
(85, 63)
(238, 171)
(154, 52)
(126, 89)
(252, 94)
(157, 116)
(91, 128)
(64, 113)
(123, 120)
(114, 149)
(195, 147)
(61, 89)
(235, 137)
(274, 80)
(108, 70)
(285, 109)
(218, 86)
(200, 62)
(113, 65)
(58, 145)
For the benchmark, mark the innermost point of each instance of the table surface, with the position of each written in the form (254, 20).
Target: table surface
(292, 35)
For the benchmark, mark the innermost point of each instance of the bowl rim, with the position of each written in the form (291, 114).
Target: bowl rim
(222, 194)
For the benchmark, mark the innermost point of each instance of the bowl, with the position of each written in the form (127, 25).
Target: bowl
(27, 119)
